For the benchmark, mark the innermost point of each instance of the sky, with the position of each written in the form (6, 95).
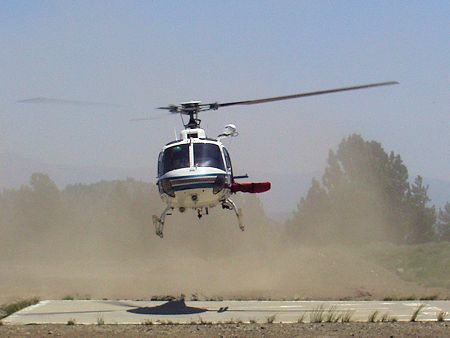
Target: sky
(140, 55)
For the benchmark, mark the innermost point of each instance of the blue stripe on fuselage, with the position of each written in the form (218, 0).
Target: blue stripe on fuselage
(190, 176)
(193, 186)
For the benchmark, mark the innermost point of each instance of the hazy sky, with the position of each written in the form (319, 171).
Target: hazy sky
(145, 54)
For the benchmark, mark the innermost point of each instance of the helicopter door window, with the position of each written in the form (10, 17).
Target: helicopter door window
(176, 157)
(208, 155)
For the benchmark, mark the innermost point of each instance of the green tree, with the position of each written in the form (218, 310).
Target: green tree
(444, 223)
(37, 207)
(421, 217)
(365, 196)
(313, 209)
(46, 205)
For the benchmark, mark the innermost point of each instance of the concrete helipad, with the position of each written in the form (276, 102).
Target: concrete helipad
(137, 312)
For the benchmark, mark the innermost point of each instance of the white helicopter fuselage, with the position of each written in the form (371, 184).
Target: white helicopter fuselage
(194, 172)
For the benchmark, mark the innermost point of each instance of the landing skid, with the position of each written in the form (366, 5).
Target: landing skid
(158, 222)
(230, 205)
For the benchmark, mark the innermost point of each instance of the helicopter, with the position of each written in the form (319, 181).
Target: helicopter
(195, 171)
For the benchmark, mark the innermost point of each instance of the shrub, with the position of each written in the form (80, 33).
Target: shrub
(8, 309)
(416, 313)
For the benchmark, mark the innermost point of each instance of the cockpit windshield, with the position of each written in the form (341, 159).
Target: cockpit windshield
(176, 157)
(208, 155)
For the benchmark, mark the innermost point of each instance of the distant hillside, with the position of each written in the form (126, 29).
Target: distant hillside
(16, 170)
(287, 188)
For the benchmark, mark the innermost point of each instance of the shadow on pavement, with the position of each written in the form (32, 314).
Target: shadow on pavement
(174, 307)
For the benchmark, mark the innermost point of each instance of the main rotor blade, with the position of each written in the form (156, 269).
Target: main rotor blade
(173, 109)
(157, 117)
(47, 100)
(294, 96)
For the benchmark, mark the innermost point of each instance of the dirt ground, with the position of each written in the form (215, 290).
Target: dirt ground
(115, 258)
(301, 273)
(418, 329)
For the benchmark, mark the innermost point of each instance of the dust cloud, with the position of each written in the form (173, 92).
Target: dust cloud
(97, 241)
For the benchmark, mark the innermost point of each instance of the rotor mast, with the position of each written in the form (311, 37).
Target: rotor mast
(191, 108)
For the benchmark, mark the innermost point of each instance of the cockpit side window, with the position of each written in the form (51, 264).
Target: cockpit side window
(208, 155)
(227, 159)
(160, 164)
(176, 157)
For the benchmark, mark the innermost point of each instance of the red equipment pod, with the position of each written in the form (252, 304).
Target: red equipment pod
(253, 188)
